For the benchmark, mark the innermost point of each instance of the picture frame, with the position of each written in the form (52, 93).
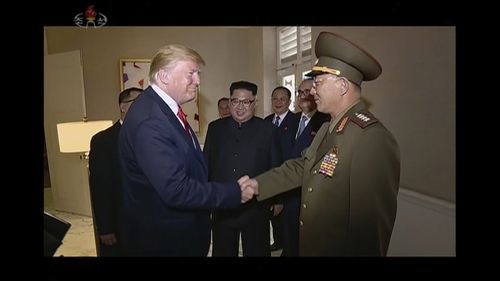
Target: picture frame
(135, 73)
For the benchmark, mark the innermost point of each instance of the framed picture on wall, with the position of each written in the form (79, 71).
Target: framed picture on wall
(135, 72)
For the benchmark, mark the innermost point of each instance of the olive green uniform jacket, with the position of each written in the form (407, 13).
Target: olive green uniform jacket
(352, 212)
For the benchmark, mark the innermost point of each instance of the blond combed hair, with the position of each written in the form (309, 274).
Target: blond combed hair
(167, 56)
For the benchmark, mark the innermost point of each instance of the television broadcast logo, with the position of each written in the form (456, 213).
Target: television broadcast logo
(90, 17)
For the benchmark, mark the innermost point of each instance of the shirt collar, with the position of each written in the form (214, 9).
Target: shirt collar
(309, 115)
(166, 98)
(282, 116)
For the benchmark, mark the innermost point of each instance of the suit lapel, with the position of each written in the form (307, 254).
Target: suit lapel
(197, 151)
(312, 126)
(172, 118)
(306, 133)
(166, 110)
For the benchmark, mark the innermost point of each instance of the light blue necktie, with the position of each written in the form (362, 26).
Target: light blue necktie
(302, 125)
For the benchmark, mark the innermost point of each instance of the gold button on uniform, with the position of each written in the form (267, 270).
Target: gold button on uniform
(315, 172)
(310, 189)
(301, 223)
(304, 206)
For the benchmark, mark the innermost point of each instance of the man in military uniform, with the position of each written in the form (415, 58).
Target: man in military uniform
(350, 172)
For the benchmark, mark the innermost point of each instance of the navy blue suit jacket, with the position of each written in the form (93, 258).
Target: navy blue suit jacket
(166, 194)
(286, 133)
(305, 139)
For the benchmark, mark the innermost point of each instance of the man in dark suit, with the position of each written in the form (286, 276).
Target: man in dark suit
(223, 107)
(307, 124)
(105, 180)
(166, 194)
(350, 172)
(286, 122)
(241, 145)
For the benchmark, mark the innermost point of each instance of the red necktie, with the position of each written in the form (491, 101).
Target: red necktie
(182, 116)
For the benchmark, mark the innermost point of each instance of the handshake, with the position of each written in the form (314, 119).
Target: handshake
(249, 187)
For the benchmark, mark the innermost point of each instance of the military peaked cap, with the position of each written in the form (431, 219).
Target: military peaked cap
(339, 56)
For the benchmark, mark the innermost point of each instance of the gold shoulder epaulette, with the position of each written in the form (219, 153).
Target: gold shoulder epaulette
(364, 119)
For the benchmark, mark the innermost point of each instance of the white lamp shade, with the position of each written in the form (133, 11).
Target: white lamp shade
(76, 136)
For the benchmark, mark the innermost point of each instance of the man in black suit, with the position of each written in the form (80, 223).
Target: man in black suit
(306, 126)
(287, 123)
(241, 145)
(105, 180)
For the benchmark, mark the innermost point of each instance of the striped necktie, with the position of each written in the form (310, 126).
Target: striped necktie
(277, 121)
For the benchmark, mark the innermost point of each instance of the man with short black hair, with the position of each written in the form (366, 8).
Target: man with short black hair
(105, 180)
(223, 107)
(241, 145)
(286, 122)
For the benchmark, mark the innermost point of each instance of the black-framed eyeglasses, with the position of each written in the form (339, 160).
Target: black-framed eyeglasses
(304, 93)
(127, 101)
(246, 102)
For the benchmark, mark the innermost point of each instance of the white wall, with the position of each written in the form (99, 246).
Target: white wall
(270, 80)
(230, 53)
(414, 97)
(425, 226)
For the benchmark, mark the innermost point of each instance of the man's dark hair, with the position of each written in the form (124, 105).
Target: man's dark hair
(125, 94)
(221, 99)
(243, 85)
(282, 88)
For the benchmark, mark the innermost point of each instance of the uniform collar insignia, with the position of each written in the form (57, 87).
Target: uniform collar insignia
(341, 127)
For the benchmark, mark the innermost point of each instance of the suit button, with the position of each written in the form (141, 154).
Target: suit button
(304, 206)
(234, 170)
(310, 189)
(236, 155)
(315, 172)
(301, 223)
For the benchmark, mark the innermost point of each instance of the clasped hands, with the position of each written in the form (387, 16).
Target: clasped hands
(249, 187)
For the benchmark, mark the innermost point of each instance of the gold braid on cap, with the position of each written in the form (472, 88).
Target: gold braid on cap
(326, 69)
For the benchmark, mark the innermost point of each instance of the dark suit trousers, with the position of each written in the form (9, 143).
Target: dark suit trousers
(277, 223)
(253, 224)
(290, 220)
